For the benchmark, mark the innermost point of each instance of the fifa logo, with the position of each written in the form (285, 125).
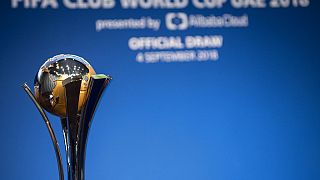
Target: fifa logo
(177, 21)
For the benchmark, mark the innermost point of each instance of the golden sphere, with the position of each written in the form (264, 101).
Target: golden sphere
(48, 87)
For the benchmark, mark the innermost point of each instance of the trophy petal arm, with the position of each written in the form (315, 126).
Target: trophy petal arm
(97, 85)
(50, 129)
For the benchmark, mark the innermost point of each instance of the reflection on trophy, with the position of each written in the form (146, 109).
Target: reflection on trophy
(67, 86)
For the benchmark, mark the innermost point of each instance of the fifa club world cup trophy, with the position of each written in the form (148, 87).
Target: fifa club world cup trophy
(68, 87)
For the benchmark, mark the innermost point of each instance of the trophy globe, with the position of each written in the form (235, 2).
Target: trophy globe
(48, 86)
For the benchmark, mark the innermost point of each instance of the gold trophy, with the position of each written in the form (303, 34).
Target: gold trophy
(68, 87)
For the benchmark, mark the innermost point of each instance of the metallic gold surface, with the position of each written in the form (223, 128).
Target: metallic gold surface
(48, 87)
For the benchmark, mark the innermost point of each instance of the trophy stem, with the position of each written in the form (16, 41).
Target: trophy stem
(66, 141)
(51, 132)
(72, 91)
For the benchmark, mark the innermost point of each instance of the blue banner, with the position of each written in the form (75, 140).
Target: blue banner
(201, 89)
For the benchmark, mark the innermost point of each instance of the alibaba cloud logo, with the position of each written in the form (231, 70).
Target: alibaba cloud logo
(177, 21)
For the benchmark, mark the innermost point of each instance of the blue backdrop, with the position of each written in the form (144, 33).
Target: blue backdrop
(252, 114)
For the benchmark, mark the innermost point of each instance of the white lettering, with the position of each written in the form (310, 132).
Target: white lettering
(35, 3)
(200, 4)
(141, 43)
(203, 41)
(248, 3)
(89, 4)
(155, 4)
